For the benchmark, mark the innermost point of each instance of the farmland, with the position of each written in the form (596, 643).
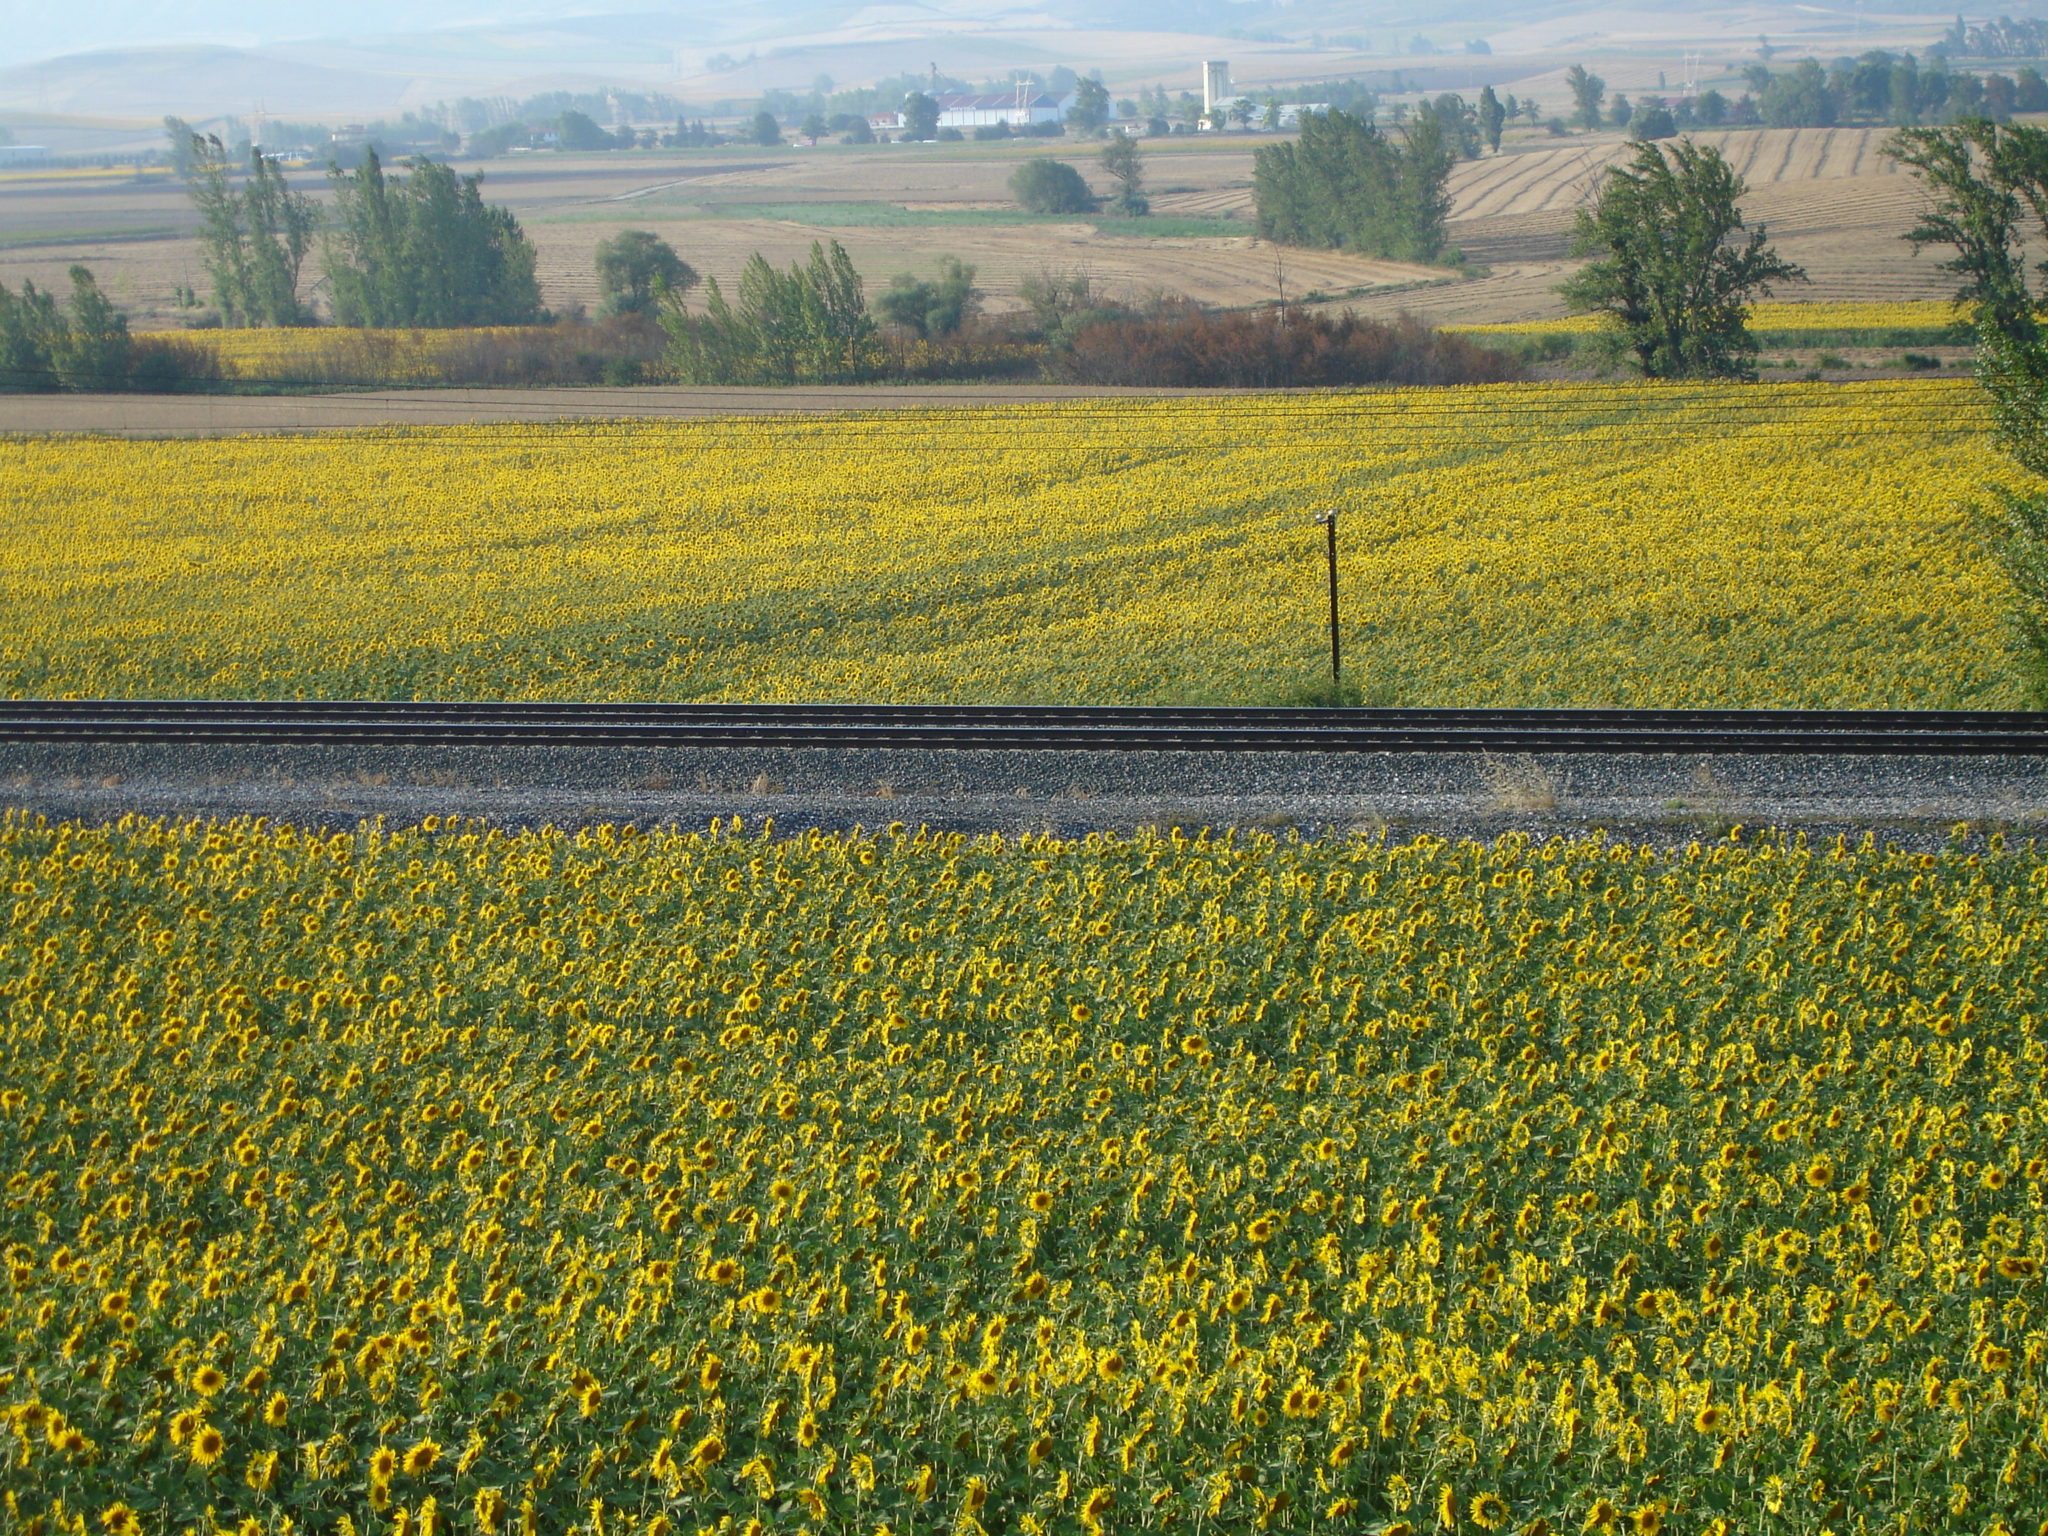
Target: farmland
(1779, 545)
(1831, 201)
(451, 1179)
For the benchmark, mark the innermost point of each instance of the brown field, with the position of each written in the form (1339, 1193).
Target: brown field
(1830, 199)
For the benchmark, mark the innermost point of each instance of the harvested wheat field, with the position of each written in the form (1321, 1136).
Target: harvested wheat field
(1834, 202)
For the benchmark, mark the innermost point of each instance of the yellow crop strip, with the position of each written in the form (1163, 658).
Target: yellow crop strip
(452, 1180)
(1791, 545)
(338, 355)
(1896, 315)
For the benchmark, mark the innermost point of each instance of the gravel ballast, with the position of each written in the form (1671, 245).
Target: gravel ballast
(1659, 798)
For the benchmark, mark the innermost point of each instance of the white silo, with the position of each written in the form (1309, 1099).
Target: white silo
(1215, 83)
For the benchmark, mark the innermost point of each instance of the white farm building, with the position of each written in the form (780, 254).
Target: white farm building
(1019, 109)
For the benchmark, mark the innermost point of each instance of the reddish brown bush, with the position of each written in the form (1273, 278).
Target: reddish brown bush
(1187, 347)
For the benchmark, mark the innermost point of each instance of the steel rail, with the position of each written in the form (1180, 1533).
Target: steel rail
(1935, 733)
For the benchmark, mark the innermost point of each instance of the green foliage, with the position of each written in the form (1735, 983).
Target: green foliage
(2014, 372)
(1051, 186)
(807, 325)
(920, 117)
(426, 251)
(1653, 122)
(765, 131)
(253, 237)
(1981, 178)
(92, 351)
(30, 326)
(1588, 90)
(1677, 287)
(633, 267)
(1120, 161)
(1492, 118)
(1091, 108)
(930, 306)
(84, 346)
(579, 131)
(1344, 185)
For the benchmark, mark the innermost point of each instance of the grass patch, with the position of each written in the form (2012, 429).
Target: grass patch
(24, 239)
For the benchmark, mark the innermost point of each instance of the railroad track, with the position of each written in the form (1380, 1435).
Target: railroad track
(361, 723)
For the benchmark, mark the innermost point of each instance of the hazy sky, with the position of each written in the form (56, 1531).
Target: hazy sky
(41, 29)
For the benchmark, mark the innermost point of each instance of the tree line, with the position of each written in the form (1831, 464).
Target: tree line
(422, 249)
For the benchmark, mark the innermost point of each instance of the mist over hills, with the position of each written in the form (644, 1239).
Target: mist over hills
(139, 59)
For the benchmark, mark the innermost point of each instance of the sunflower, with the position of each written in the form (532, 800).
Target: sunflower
(710, 1372)
(1040, 1201)
(276, 1410)
(1036, 1453)
(207, 1445)
(1489, 1511)
(1711, 1419)
(419, 1460)
(208, 1380)
(120, 1520)
(383, 1464)
(1094, 1507)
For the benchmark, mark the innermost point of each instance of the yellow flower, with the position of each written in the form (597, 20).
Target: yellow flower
(1489, 1511)
(207, 1445)
(420, 1459)
(120, 1520)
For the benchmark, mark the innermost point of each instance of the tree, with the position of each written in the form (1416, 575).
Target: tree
(634, 268)
(31, 328)
(1712, 108)
(1091, 108)
(1653, 122)
(1051, 186)
(930, 306)
(815, 127)
(1120, 162)
(808, 324)
(1492, 118)
(1676, 286)
(1587, 93)
(93, 351)
(920, 117)
(425, 251)
(765, 131)
(253, 238)
(1345, 185)
(579, 131)
(1981, 177)
(1621, 111)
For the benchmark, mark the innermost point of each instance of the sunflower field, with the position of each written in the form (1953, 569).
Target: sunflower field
(1564, 545)
(455, 1180)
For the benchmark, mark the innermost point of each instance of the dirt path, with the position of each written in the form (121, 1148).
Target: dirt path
(222, 415)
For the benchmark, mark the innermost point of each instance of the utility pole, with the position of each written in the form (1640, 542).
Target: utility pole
(1328, 520)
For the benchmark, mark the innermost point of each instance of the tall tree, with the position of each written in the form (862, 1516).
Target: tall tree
(425, 251)
(1984, 179)
(1091, 108)
(1981, 177)
(1668, 273)
(809, 324)
(1121, 163)
(1492, 117)
(1588, 91)
(920, 117)
(93, 350)
(1346, 185)
(930, 306)
(253, 237)
(634, 267)
(31, 330)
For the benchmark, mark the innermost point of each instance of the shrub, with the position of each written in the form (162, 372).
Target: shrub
(1051, 186)
(1180, 345)
(1919, 361)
